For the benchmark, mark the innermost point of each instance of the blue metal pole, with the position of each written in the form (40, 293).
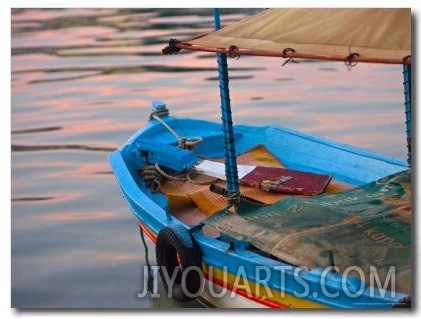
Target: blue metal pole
(231, 172)
(407, 94)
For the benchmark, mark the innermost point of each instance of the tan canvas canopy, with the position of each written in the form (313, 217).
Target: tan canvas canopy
(353, 35)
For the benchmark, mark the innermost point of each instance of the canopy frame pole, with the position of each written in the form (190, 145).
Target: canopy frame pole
(230, 160)
(407, 94)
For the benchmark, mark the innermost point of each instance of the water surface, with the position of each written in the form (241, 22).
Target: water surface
(82, 83)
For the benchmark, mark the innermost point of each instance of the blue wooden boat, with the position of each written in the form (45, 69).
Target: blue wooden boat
(235, 245)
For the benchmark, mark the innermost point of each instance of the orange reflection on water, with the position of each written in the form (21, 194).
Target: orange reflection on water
(85, 170)
(77, 216)
(98, 125)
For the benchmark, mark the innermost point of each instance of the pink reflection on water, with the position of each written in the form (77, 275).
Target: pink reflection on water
(64, 170)
(103, 50)
(85, 170)
(63, 217)
(140, 19)
(62, 37)
(29, 61)
(98, 125)
(35, 14)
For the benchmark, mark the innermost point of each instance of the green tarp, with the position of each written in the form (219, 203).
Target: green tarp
(362, 227)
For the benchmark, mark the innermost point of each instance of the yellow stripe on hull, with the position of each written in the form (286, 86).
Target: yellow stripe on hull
(239, 284)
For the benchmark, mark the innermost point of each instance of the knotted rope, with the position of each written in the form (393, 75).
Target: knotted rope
(186, 143)
(154, 175)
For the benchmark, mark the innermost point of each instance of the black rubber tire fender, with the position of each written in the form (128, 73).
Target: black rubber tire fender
(177, 251)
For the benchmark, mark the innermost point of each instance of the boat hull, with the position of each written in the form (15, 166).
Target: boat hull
(233, 275)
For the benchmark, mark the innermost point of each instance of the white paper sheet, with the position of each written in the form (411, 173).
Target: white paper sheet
(217, 169)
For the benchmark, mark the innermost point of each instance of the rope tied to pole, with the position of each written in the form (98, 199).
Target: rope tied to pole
(230, 161)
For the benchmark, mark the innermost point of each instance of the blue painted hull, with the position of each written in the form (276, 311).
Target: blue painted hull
(222, 265)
